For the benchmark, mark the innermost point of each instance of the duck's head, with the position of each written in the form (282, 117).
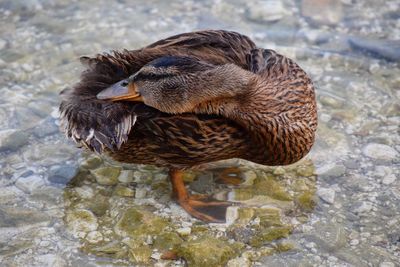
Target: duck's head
(175, 84)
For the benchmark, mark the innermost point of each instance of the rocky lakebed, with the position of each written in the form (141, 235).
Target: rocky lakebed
(339, 206)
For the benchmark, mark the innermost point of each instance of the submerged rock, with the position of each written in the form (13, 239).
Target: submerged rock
(138, 224)
(30, 184)
(380, 152)
(270, 234)
(92, 162)
(143, 237)
(126, 176)
(264, 186)
(327, 195)
(208, 251)
(330, 236)
(140, 254)
(239, 262)
(266, 11)
(124, 191)
(12, 140)
(306, 201)
(167, 241)
(380, 48)
(387, 180)
(362, 207)
(107, 175)
(322, 11)
(80, 222)
(62, 174)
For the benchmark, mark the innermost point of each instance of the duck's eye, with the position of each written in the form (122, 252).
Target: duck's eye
(124, 83)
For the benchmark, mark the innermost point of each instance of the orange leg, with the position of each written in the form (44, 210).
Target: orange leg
(201, 207)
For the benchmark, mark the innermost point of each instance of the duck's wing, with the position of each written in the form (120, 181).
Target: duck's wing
(214, 46)
(97, 124)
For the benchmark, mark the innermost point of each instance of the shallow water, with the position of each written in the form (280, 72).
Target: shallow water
(341, 203)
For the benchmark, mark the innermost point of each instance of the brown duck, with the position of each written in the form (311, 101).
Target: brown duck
(189, 99)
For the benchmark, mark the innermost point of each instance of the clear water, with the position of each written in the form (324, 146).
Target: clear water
(350, 48)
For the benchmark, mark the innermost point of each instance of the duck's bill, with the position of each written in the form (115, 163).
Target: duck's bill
(120, 91)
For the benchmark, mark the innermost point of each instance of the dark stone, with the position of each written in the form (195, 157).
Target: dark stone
(62, 174)
(386, 49)
(26, 174)
(46, 128)
(394, 238)
(14, 141)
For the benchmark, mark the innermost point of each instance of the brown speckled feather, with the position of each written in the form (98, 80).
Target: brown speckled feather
(281, 131)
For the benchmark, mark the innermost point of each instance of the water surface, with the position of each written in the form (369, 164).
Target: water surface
(340, 204)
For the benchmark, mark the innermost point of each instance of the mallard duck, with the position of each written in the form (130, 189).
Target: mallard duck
(190, 99)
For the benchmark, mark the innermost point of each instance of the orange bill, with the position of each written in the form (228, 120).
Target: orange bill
(123, 90)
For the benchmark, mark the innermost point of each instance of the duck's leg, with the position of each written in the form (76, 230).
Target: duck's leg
(201, 207)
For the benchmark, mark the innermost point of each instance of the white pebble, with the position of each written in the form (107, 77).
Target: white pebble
(389, 179)
(184, 231)
(354, 242)
(380, 151)
(327, 195)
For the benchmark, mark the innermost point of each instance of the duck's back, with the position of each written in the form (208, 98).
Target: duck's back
(136, 133)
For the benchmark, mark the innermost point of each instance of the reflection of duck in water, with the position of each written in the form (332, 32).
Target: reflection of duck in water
(190, 99)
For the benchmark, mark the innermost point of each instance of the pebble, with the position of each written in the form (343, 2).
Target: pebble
(354, 242)
(184, 231)
(27, 67)
(3, 44)
(382, 171)
(331, 170)
(140, 192)
(30, 183)
(329, 236)
(107, 175)
(9, 194)
(46, 128)
(126, 176)
(362, 207)
(94, 237)
(156, 255)
(85, 192)
(380, 152)
(81, 222)
(239, 262)
(387, 180)
(49, 260)
(265, 11)
(124, 191)
(327, 195)
(62, 174)
(12, 140)
(387, 264)
(322, 11)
